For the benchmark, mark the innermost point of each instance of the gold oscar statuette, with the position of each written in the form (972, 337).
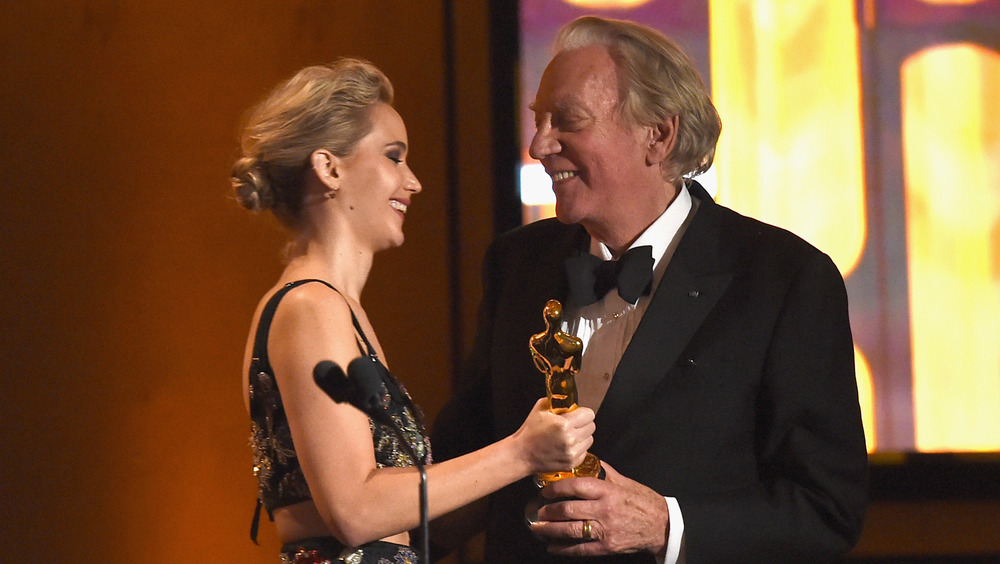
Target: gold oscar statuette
(557, 354)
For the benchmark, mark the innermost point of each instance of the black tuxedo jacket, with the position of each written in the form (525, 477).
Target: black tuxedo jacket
(736, 395)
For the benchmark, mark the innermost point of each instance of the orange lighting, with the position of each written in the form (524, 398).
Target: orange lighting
(951, 150)
(866, 398)
(785, 79)
(606, 4)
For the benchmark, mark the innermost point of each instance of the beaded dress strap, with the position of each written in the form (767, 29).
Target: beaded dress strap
(267, 316)
(261, 363)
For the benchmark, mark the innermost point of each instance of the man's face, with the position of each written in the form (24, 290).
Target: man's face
(597, 162)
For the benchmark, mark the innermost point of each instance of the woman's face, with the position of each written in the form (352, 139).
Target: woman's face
(376, 182)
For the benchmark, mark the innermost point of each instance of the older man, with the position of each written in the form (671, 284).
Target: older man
(722, 373)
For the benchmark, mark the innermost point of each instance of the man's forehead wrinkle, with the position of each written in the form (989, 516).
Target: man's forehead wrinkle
(549, 104)
(576, 85)
(564, 101)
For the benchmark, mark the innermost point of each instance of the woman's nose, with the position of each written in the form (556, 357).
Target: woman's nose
(412, 184)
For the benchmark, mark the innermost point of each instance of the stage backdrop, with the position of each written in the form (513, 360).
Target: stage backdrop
(130, 275)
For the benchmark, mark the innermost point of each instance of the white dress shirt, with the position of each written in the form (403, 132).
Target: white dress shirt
(606, 327)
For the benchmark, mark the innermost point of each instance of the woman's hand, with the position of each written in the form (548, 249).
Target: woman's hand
(549, 442)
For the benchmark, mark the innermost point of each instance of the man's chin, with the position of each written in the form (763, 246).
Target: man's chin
(566, 214)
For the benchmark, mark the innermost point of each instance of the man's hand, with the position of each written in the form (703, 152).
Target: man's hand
(624, 515)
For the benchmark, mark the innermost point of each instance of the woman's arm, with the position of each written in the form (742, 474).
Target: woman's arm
(358, 501)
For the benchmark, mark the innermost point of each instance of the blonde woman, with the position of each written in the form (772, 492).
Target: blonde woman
(326, 154)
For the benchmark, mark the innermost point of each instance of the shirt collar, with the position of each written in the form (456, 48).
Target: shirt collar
(659, 234)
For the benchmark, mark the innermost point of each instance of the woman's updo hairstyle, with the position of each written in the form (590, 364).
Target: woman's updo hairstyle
(321, 107)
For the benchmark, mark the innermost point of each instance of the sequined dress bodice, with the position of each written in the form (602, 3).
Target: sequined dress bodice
(280, 481)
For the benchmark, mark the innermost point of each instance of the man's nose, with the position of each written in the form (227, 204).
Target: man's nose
(543, 143)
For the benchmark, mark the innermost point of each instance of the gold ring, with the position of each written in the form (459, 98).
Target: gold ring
(587, 532)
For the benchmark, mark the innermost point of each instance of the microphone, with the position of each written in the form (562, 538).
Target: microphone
(360, 388)
(364, 386)
(330, 378)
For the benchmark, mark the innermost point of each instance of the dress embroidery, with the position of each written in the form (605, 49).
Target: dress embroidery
(279, 477)
(379, 553)
(280, 481)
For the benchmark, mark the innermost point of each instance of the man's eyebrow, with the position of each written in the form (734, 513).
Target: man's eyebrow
(572, 105)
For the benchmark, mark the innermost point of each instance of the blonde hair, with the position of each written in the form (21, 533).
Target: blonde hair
(321, 107)
(657, 80)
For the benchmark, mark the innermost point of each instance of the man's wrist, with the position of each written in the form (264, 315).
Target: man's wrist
(659, 550)
(673, 549)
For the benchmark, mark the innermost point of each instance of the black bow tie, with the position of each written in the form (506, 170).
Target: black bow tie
(590, 278)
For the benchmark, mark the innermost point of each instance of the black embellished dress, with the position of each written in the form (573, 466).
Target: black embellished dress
(279, 477)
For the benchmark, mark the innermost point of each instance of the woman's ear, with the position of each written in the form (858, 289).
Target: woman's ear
(662, 139)
(324, 165)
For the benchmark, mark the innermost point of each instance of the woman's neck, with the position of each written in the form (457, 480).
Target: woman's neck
(334, 259)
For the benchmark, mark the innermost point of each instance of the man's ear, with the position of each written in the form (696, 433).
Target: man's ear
(324, 165)
(662, 139)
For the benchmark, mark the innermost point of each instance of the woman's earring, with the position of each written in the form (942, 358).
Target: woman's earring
(331, 194)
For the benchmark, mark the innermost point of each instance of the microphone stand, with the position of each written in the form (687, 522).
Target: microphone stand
(425, 537)
(353, 388)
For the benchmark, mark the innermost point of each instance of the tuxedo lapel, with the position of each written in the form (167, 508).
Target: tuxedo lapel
(532, 273)
(551, 281)
(695, 279)
(548, 273)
